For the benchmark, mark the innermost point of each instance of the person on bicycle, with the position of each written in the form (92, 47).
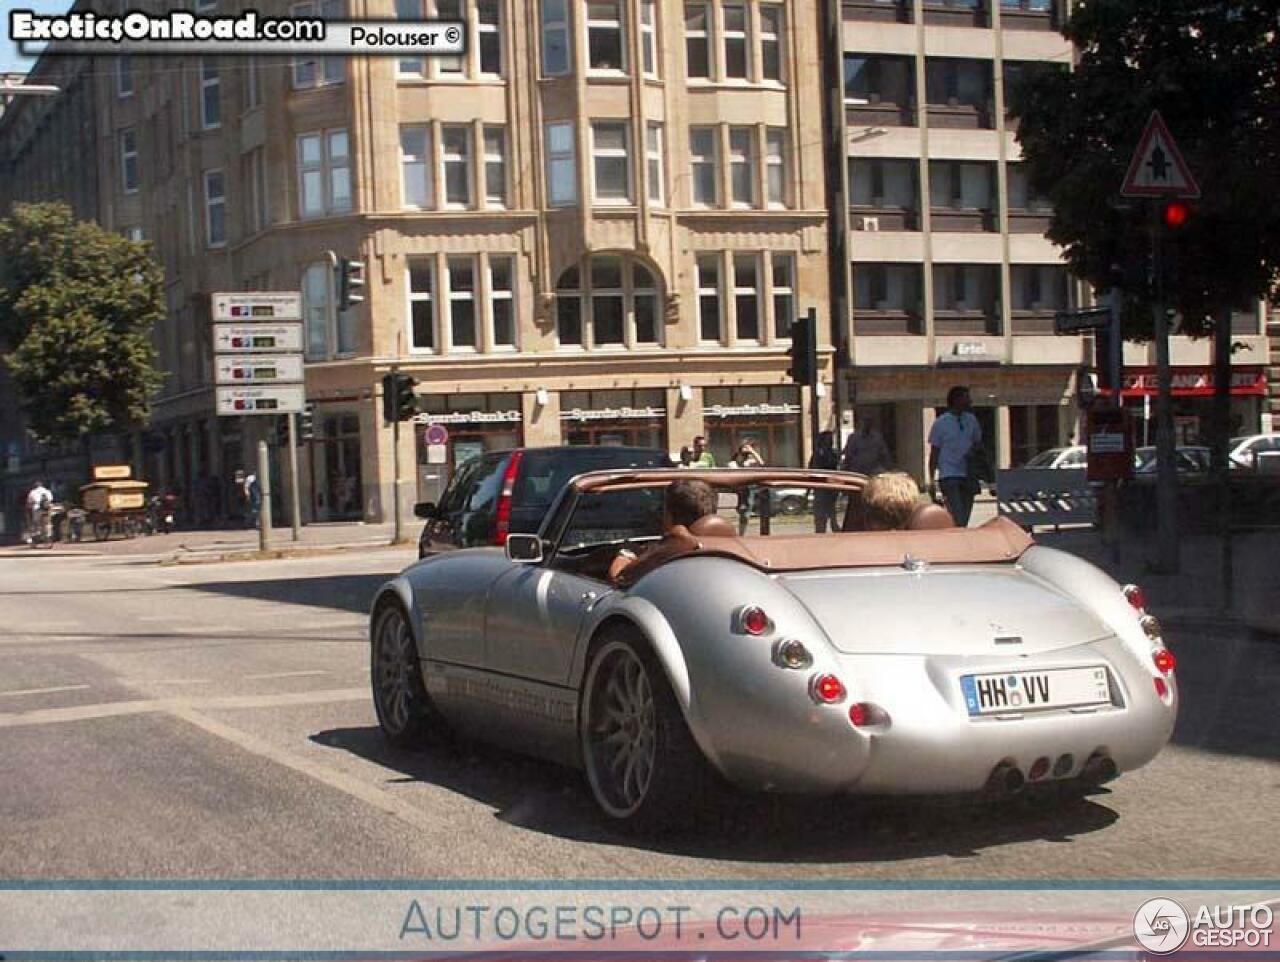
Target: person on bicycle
(40, 513)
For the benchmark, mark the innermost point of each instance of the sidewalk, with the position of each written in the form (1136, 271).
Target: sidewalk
(209, 545)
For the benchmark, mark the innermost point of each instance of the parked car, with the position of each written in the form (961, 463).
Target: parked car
(1191, 459)
(499, 492)
(1075, 456)
(1245, 450)
(941, 661)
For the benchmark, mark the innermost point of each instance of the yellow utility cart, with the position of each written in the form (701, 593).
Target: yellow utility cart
(115, 507)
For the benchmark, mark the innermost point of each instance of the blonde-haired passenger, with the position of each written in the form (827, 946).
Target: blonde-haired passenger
(889, 500)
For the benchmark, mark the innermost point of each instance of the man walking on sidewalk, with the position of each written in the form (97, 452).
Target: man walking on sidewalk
(953, 438)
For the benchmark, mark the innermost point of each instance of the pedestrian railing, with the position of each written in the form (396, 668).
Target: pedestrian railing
(1035, 497)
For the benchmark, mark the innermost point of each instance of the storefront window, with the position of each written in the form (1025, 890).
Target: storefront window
(621, 418)
(474, 424)
(768, 417)
(336, 480)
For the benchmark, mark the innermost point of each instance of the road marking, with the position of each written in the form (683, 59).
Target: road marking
(43, 691)
(50, 716)
(378, 798)
(285, 674)
(168, 681)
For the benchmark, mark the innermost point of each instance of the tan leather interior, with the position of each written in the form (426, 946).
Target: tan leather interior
(712, 526)
(997, 540)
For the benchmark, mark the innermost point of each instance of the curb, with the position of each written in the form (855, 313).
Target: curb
(273, 553)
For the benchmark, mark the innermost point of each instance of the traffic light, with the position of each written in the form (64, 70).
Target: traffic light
(307, 422)
(1176, 213)
(282, 431)
(804, 351)
(350, 283)
(398, 400)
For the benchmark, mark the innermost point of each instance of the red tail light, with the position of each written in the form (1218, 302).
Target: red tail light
(1162, 687)
(754, 620)
(1164, 660)
(827, 689)
(864, 714)
(1136, 597)
(503, 527)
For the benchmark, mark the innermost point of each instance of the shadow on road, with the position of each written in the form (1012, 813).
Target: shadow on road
(340, 592)
(554, 800)
(1227, 682)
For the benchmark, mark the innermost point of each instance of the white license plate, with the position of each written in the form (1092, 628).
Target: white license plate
(1021, 691)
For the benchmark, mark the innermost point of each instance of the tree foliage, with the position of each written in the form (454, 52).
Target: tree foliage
(1212, 70)
(77, 308)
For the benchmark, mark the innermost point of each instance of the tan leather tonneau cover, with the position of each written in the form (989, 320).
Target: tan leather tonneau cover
(997, 540)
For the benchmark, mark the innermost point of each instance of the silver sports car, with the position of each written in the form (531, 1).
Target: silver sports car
(933, 660)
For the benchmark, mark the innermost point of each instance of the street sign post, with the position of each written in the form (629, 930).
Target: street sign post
(1157, 168)
(257, 369)
(275, 399)
(1075, 322)
(258, 306)
(256, 338)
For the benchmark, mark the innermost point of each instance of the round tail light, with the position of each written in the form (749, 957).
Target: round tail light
(864, 714)
(1164, 661)
(827, 689)
(1136, 597)
(755, 621)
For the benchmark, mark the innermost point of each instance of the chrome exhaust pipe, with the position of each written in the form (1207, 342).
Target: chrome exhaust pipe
(1099, 769)
(1005, 779)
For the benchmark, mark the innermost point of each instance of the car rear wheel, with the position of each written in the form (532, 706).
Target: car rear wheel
(399, 695)
(643, 766)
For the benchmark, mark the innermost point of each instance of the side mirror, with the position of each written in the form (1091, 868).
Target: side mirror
(524, 549)
(424, 510)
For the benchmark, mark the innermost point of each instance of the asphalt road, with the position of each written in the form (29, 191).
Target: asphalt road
(213, 721)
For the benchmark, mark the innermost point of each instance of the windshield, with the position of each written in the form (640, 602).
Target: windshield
(1045, 459)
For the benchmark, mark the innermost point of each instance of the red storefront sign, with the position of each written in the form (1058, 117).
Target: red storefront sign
(1194, 381)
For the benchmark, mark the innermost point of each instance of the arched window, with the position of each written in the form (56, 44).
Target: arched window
(610, 301)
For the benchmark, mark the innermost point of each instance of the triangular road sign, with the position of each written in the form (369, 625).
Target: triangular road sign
(1157, 168)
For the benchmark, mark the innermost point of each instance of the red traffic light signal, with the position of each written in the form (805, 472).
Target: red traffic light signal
(1176, 213)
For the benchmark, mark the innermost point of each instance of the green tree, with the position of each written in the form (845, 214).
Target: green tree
(77, 308)
(1212, 71)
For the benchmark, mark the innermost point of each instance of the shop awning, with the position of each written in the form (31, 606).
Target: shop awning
(1194, 381)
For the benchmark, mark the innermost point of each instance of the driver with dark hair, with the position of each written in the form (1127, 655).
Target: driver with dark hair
(684, 504)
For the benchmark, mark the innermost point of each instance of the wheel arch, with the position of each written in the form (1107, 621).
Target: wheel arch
(397, 591)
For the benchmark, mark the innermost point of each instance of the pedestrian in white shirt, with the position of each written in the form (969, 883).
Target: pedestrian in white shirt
(39, 501)
(953, 437)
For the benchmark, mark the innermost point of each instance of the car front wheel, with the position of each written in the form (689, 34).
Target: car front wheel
(643, 766)
(399, 695)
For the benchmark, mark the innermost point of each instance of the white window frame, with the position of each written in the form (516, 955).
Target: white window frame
(134, 234)
(210, 86)
(482, 28)
(743, 161)
(705, 35)
(328, 70)
(612, 154)
(426, 161)
(775, 37)
(452, 65)
(744, 35)
(618, 25)
(776, 145)
(506, 295)
(653, 135)
(472, 296)
(562, 156)
(717, 290)
(210, 202)
(782, 325)
(555, 21)
(129, 159)
(696, 159)
(578, 293)
(496, 159)
(124, 76)
(429, 264)
(410, 67)
(650, 66)
(754, 290)
(618, 293)
(463, 160)
(634, 294)
(326, 167)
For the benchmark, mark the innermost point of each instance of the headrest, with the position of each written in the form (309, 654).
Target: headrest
(712, 526)
(929, 517)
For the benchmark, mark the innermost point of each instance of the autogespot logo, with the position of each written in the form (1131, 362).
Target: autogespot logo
(1161, 925)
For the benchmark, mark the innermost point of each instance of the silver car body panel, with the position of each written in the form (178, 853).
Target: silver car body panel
(505, 649)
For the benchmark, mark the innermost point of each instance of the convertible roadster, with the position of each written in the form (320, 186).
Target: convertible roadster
(929, 660)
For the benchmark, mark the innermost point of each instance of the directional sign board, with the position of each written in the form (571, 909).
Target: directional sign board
(1157, 168)
(257, 369)
(258, 306)
(280, 399)
(1073, 322)
(252, 338)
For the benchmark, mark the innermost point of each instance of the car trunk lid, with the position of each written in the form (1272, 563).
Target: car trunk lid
(976, 609)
